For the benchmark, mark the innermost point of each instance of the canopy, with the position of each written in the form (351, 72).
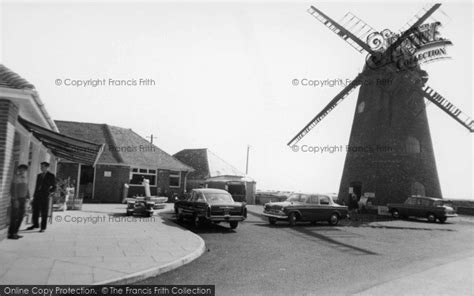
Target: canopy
(65, 147)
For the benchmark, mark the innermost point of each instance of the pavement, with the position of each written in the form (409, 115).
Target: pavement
(454, 278)
(98, 245)
(452, 274)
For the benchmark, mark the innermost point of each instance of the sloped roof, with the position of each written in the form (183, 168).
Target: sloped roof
(10, 79)
(206, 164)
(122, 146)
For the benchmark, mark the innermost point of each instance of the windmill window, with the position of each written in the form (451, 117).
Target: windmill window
(412, 145)
(361, 107)
(417, 189)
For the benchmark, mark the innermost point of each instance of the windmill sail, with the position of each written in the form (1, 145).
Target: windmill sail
(329, 107)
(448, 107)
(356, 26)
(409, 31)
(441, 17)
(345, 34)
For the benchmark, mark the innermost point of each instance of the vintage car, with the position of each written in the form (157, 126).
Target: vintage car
(140, 206)
(305, 207)
(430, 208)
(210, 205)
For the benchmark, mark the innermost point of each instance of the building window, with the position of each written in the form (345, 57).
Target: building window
(138, 175)
(175, 179)
(412, 145)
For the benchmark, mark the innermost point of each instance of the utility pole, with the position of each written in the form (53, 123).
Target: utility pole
(151, 138)
(247, 163)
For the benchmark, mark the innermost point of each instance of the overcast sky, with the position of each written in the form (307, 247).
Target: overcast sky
(223, 78)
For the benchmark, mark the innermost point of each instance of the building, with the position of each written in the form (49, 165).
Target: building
(127, 159)
(214, 172)
(29, 136)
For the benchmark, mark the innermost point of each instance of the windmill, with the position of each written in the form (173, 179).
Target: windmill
(390, 152)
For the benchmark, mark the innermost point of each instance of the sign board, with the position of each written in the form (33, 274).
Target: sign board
(369, 194)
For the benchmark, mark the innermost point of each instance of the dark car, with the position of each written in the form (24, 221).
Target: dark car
(430, 208)
(210, 205)
(305, 207)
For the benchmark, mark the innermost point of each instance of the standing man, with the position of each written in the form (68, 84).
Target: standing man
(19, 195)
(45, 184)
(353, 207)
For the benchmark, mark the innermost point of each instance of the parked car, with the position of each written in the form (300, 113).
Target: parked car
(159, 201)
(140, 206)
(210, 205)
(430, 208)
(305, 207)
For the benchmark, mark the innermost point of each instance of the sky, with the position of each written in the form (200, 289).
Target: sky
(220, 76)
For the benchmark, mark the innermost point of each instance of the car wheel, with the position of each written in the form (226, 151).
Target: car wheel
(272, 221)
(292, 219)
(179, 216)
(334, 219)
(395, 214)
(442, 220)
(431, 217)
(233, 224)
(195, 221)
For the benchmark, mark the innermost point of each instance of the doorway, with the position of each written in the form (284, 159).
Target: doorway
(86, 183)
(356, 189)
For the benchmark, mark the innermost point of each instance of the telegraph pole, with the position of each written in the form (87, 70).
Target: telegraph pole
(247, 162)
(151, 138)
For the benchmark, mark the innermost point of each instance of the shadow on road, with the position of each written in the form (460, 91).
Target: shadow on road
(408, 228)
(313, 233)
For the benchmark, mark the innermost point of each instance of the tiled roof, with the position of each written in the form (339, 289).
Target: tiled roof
(206, 163)
(197, 159)
(91, 132)
(122, 146)
(10, 79)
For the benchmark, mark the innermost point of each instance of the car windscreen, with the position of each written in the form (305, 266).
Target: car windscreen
(219, 198)
(293, 197)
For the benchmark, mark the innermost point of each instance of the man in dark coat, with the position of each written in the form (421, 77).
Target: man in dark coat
(353, 207)
(45, 184)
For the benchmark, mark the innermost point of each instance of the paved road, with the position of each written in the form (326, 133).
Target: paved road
(259, 259)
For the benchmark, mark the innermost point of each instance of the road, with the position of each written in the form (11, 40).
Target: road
(259, 259)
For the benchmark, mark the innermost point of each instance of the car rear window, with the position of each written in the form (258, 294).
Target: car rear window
(323, 200)
(219, 197)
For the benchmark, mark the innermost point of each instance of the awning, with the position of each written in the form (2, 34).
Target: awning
(65, 147)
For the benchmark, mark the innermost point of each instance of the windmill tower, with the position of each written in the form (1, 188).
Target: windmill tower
(390, 152)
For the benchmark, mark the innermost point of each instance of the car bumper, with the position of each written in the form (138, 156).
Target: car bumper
(450, 215)
(134, 211)
(226, 218)
(276, 216)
